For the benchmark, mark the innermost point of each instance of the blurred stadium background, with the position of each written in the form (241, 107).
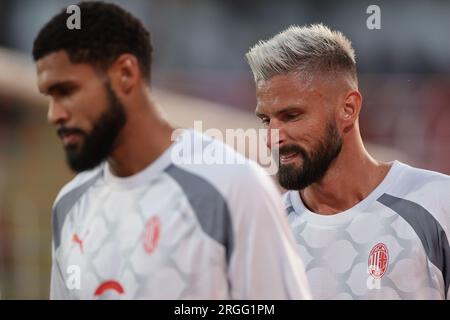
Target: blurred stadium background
(199, 73)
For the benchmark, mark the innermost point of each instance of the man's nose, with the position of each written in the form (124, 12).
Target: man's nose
(275, 135)
(56, 113)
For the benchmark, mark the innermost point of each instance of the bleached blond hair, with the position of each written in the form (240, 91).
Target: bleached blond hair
(306, 50)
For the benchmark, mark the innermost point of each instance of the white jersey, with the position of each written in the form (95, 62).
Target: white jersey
(392, 245)
(175, 231)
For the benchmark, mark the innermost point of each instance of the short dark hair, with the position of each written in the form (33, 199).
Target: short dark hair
(107, 31)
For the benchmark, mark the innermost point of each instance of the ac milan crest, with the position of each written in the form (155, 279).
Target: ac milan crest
(378, 260)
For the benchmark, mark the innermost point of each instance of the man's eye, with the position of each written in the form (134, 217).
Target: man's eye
(265, 121)
(290, 117)
(63, 92)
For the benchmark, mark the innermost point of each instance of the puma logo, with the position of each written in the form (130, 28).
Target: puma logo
(77, 240)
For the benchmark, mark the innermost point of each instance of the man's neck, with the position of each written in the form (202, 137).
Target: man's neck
(349, 180)
(143, 139)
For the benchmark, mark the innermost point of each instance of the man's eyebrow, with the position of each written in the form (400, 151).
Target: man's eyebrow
(290, 108)
(57, 86)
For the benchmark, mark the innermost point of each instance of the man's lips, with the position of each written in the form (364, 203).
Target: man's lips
(288, 156)
(68, 136)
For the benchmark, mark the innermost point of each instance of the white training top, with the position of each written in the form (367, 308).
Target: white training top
(175, 231)
(391, 245)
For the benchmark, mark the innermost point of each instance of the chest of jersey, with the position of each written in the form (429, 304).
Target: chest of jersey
(372, 255)
(143, 243)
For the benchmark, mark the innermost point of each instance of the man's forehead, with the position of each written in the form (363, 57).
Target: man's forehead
(281, 89)
(284, 87)
(57, 67)
(54, 60)
(50, 68)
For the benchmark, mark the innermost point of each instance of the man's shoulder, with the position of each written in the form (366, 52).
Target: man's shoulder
(421, 191)
(78, 182)
(427, 181)
(214, 160)
(202, 162)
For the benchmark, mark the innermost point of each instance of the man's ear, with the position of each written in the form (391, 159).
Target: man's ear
(349, 110)
(125, 73)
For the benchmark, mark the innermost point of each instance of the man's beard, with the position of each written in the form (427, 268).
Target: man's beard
(315, 164)
(99, 143)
